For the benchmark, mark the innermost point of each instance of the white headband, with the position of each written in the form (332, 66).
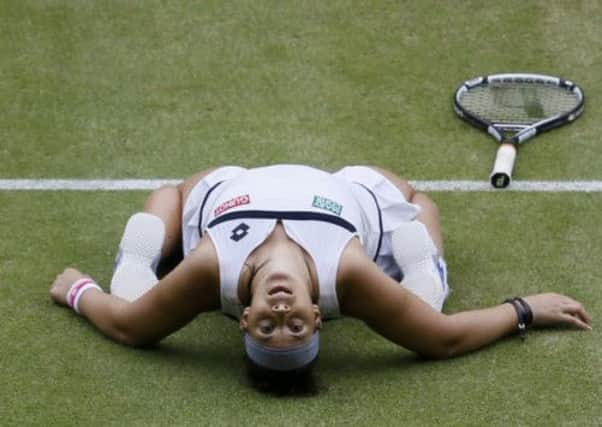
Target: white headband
(282, 359)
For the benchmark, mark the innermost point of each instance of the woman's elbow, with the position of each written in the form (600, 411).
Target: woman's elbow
(131, 338)
(447, 344)
(124, 332)
(440, 352)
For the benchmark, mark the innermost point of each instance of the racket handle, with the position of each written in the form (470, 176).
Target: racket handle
(501, 175)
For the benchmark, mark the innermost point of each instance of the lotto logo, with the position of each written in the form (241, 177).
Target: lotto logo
(239, 232)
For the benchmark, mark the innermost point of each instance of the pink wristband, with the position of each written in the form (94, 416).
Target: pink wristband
(77, 290)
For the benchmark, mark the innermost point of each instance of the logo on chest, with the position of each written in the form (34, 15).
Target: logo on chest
(232, 203)
(327, 205)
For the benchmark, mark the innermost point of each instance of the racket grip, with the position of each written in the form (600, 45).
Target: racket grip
(501, 175)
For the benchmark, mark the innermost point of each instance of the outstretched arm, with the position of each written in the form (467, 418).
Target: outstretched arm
(191, 288)
(366, 293)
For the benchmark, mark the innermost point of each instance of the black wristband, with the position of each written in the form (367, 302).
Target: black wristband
(524, 313)
(528, 311)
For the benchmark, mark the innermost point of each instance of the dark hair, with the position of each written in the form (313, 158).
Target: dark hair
(296, 382)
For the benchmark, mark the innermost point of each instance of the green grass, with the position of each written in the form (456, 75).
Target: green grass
(138, 89)
(154, 89)
(58, 369)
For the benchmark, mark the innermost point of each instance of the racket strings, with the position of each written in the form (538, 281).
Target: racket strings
(521, 104)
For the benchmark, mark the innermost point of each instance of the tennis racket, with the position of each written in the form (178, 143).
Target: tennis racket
(513, 108)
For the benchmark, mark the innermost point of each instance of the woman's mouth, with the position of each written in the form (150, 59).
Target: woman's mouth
(279, 289)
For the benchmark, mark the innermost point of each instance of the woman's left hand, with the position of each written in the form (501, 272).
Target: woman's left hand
(554, 309)
(62, 283)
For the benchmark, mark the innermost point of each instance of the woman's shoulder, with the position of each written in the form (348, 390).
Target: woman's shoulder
(352, 262)
(361, 283)
(201, 265)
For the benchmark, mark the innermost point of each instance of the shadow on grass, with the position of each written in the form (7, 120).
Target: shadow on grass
(208, 354)
(223, 350)
(369, 361)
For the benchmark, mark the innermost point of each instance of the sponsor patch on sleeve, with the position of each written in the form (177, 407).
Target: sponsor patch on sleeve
(327, 204)
(232, 203)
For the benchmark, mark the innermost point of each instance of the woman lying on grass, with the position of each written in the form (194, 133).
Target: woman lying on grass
(282, 248)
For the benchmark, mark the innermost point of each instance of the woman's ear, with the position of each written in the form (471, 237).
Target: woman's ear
(244, 320)
(317, 317)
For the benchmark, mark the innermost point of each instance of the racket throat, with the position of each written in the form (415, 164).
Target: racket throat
(499, 137)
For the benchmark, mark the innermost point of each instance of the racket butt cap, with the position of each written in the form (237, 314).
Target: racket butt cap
(500, 180)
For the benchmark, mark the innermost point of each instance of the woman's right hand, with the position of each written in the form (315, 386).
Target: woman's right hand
(62, 283)
(551, 309)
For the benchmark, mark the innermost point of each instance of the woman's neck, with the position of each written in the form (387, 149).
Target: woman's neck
(277, 251)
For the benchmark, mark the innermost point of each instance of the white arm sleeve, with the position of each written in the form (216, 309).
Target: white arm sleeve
(138, 257)
(424, 270)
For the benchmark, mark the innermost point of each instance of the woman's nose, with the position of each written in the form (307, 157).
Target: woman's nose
(280, 307)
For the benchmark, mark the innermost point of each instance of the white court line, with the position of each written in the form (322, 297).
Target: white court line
(151, 184)
(84, 184)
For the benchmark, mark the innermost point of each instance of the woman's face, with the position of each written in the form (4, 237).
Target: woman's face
(281, 313)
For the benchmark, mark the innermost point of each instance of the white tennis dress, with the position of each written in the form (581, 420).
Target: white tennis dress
(239, 208)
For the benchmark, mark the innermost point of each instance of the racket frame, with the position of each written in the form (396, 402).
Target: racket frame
(523, 132)
(504, 162)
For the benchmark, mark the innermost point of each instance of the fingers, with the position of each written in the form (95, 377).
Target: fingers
(551, 308)
(62, 283)
(576, 321)
(569, 305)
(577, 311)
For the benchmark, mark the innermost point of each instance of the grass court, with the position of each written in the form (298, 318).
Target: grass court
(154, 89)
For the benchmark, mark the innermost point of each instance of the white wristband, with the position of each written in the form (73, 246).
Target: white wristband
(77, 290)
